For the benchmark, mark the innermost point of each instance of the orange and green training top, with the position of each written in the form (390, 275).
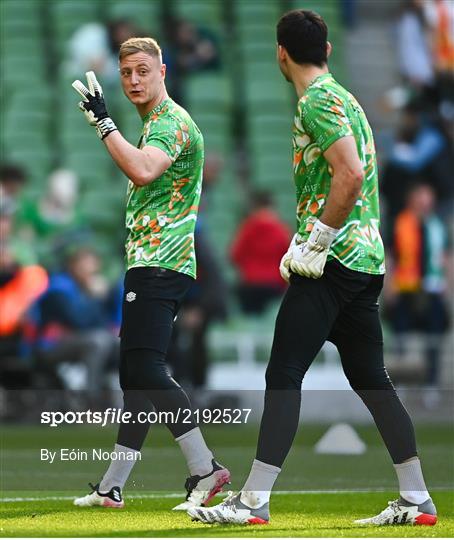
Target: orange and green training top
(161, 216)
(326, 112)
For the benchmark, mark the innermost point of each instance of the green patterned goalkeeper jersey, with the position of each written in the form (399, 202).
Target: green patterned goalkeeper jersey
(161, 216)
(326, 112)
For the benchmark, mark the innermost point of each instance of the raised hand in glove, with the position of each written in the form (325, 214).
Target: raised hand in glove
(94, 106)
(309, 258)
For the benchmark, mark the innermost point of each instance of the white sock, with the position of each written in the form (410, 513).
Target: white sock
(198, 455)
(257, 489)
(119, 469)
(411, 481)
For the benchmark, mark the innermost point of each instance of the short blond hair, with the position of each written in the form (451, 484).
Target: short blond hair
(140, 44)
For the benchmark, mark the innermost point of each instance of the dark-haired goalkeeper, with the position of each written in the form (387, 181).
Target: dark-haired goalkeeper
(165, 182)
(335, 267)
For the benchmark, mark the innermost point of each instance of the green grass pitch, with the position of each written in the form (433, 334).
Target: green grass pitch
(320, 496)
(293, 515)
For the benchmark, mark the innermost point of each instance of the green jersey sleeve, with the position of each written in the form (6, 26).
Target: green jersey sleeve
(171, 135)
(324, 118)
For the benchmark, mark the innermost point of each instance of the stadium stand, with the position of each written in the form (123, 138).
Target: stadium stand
(246, 104)
(243, 109)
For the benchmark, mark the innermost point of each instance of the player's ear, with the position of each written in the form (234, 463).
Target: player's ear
(281, 53)
(163, 70)
(329, 49)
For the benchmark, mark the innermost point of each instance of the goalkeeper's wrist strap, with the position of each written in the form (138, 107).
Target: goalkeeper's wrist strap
(322, 234)
(105, 126)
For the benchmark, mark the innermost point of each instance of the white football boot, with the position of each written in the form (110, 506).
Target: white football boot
(201, 489)
(232, 510)
(111, 499)
(402, 512)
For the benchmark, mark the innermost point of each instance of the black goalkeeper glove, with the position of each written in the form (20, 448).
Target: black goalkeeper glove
(94, 106)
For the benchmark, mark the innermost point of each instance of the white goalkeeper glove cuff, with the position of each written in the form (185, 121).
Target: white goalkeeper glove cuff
(104, 127)
(322, 236)
(309, 259)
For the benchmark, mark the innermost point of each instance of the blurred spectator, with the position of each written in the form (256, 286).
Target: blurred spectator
(257, 249)
(20, 286)
(440, 14)
(211, 170)
(12, 180)
(57, 209)
(12, 183)
(114, 305)
(7, 209)
(196, 48)
(54, 215)
(413, 45)
(418, 280)
(191, 49)
(349, 13)
(95, 47)
(22, 251)
(118, 31)
(420, 150)
(205, 302)
(74, 319)
(88, 50)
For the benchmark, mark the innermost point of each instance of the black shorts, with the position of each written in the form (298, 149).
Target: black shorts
(151, 300)
(340, 307)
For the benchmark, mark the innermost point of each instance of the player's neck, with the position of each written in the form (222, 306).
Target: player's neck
(304, 76)
(145, 108)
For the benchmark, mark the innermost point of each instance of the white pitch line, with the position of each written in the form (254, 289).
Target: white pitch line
(178, 495)
(70, 498)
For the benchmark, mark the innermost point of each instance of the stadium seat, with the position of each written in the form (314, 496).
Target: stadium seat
(285, 201)
(264, 85)
(20, 19)
(253, 12)
(209, 99)
(256, 31)
(277, 117)
(68, 15)
(19, 70)
(200, 12)
(328, 9)
(24, 121)
(208, 88)
(37, 160)
(105, 208)
(145, 14)
(26, 28)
